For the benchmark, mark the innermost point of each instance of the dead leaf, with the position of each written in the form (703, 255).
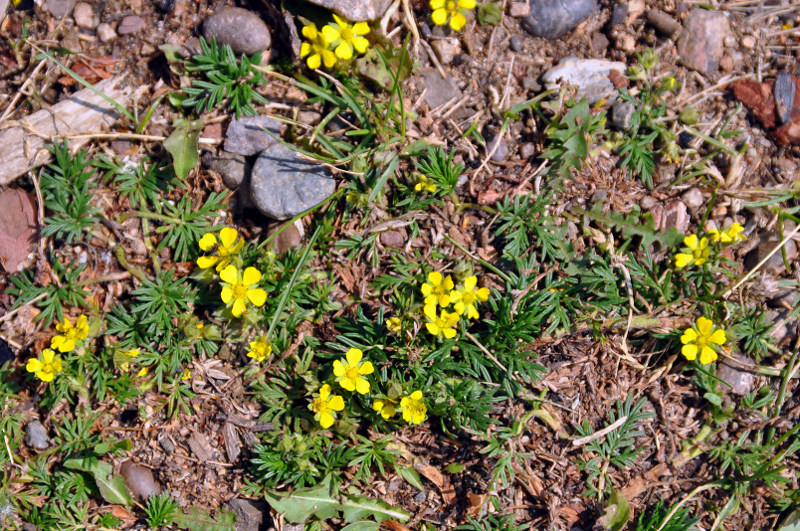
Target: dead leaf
(18, 228)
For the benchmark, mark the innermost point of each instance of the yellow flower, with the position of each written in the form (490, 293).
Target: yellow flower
(324, 406)
(385, 407)
(425, 184)
(465, 297)
(260, 349)
(394, 324)
(452, 10)
(437, 289)
(696, 252)
(45, 366)
(732, 235)
(701, 338)
(132, 353)
(229, 245)
(143, 372)
(349, 374)
(71, 334)
(238, 288)
(186, 374)
(441, 325)
(316, 49)
(413, 408)
(345, 38)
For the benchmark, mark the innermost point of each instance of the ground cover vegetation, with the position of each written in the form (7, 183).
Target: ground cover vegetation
(383, 375)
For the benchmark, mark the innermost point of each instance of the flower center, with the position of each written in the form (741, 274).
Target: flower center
(347, 34)
(239, 291)
(351, 373)
(701, 341)
(468, 297)
(415, 407)
(320, 405)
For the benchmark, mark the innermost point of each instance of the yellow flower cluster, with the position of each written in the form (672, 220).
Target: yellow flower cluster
(441, 291)
(452, 11)
(696, 250)
(260, 349)
(335, 41)
(238, 287)
(48, 363)
(425, 185)
(702, 339)
(350, 374)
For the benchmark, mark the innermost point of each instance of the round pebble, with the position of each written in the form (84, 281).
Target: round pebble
(106, 33)
(748, 42)
(242, 30)
(84, 16)
(516, 44)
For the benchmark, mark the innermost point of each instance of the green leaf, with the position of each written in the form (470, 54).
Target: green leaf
(410, 474)
(489, 13)
(454, 468)
(199, 519)
(617, 513)
(362, 526)
(714, 399)
(182, 145)
(113, 490)
(322, 503)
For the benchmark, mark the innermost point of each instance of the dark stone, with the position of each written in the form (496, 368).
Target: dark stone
(242, 30)
(250, 516)
(516, 44)
(600, 42)
(394, 238)
(618, 15)
(140, 480)
(740, 381)
(232, 167)
(621, 114)
(283, 184)
(784, 96)
(500, 147)
(6, 354)
(551, 19)
(439, 91)
(248, 135)
(663, 22)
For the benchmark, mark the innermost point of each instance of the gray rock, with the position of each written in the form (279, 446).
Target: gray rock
(242, 30)
(621, 113)
(283, 184)
(140, 480)
(250, 516)
(663, 22)
(500, 147)
(600, 42)
(702, 41)
(528, 150)
(590, 76)
(516, 44)
(394, 238)
(741, 381)
(676, 215)
(232, 167)
(693, 198)
(439, 91)
(618, 15)
(106, 33)
(553, 18)
(84, 16)
(446, 49)
(356, 9)
(60, 8)
(248, 135)
(130, 24)
(774, 265)
(783, 93)
(36, 436)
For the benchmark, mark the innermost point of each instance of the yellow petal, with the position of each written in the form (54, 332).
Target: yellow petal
(439, 17)
(228, 236)
(449, 333)
(207, 242)
(416, 395)
(437, 4)
(435, 278)
(310, 32)
(689, 336)
(457, 21)
(360, 28)
(704, 326)
(466, 4)
(353, 356)
(718, 337)
(251, 276)
(330, 35)
(432, 328)
(326, 420)
(314, 61)
(340, 21)
(229, 275)
(305, 49)
(377, 405)
(682, 260)
(48, 355)
(238, 307)
(470, 283)
(362, 386)
(482, 294)
(338, 368)
(257, 296)
(336, 403)
(707, 355)
(347, 384)
(448, 283)
(689, 352)
(57, 367)
(329, 58)
(360, 44)
(204, 262)
(45, 376)
(366, 368)
(33, 365)
(325, 392)
(226, 295)
(691, 241)
(344, 52)
(430, 311)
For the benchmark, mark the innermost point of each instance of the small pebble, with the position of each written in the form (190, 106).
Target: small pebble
(500, 147)
(106, 32)
(130, 24)
(36, 436)
(516, 44)
(748, 42)
(663, 22)
(446, 49)
(693, 198)
(626, 42)
(393, 238)
(84, 16)
(60, 8)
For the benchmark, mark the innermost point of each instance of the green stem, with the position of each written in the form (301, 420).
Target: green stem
(123, 260)
(149, 215)
(713, 141)
(288, 289)
(481, 261)
(787, 373)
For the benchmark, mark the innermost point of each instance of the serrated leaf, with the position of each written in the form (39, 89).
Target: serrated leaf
(310, 501)
(633, 224)
(182, 145)
(199, 519)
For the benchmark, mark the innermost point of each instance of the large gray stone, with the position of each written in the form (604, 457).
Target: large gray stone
(283, 185)
(553, 18)
(590, 76)
(356, 9)
(242, 30)
(250, 516)
(36, 436)
(439, 91)
(248, 135)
